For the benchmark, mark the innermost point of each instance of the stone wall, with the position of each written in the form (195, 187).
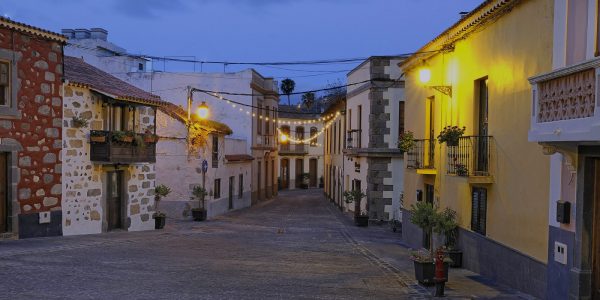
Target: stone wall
(30, 129)
(84, 182)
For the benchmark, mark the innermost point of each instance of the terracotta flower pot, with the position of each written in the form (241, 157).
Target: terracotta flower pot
(98, 139)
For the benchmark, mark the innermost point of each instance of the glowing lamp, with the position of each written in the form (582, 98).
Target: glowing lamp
(283, 138)
(424, 75)
(203, 110)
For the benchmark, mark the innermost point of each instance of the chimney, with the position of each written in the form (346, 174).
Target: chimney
(463, 14)
(98, 33)
(81, 34)
(69, 33)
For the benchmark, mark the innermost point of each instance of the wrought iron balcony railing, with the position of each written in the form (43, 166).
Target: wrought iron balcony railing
(471, 157)
(422, 155)
(354, 139)
(293, 149)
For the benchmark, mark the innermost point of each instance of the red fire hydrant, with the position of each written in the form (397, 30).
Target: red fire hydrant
(440, 277)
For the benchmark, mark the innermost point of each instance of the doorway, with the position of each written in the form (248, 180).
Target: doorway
(482, 125)
(4, 193)
(114, 200)
(596, 232)
(285, 173)
(299, 172)
(312, 170)
(231, 185)
(430, 132)
(429, 192)
(356, 187)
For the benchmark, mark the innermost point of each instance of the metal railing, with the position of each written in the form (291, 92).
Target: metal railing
(422, 155)
(471, 157)
(354, 139)
(288, 148)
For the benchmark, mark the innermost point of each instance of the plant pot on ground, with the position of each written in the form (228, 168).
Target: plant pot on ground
(160, 191)
(362, 220)
(305, 180)
(425, 267)
(448, 226)
(356, 196)
(199, 193)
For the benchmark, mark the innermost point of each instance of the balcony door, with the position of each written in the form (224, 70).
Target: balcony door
(482, 125)
(4, 192)
(596, 232)
(114, 200)
(429, 146)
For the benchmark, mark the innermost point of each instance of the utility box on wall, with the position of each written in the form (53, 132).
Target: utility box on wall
(563, 212)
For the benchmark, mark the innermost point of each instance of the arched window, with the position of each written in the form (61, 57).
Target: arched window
(313, 133)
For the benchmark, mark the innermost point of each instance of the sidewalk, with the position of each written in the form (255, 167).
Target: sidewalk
(380, 244)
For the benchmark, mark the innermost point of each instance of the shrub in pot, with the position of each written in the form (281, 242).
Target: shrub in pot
(424, 215)
(406, 142)
(199, 193)
(361, 219)
(448, 226)
(305, 180)
(160, 191)
(451, 135)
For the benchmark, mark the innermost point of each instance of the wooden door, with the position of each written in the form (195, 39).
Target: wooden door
(596, 234)
(285, 173)
(357, 187)
(3, 192)
(312, 170)
(114, 200)
(482, 126)
(231, 185)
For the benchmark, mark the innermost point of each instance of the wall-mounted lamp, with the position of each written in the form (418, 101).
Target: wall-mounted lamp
(425, 77)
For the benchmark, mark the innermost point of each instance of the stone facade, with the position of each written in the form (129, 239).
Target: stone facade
(85, 182)
(30, 129)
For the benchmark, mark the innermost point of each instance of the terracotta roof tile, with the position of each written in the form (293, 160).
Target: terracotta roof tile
(80, 73)
(25, 28)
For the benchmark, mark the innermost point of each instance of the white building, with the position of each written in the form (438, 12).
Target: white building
(259, 95)
(333, 147)
(179, 165)
(296, 158)
(374, 120)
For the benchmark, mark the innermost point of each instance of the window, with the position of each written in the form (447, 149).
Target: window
(241, 186)
(259, 120)
(339, 134)
(313, 133)
(140, 67)
(400, 117)
(215, 151)
(4, 84)
(478, 209)
(217, 189)
(118, 118)
(359, 121)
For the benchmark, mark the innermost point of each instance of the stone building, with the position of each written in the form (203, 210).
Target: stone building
(31, 69)
(255, 90)
(298, 158)
(565, 121)
(109, 152)
(179, 164)
(333, 145)
(374, 120)
(475, 75)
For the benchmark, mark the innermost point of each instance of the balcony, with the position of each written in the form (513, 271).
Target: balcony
(293, 149)
(472, 158)
(265, 142)
(104, 148)
(564, 104)
(422, 157)
(354, 139)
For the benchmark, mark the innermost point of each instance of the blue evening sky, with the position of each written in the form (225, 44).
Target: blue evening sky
(253, 30)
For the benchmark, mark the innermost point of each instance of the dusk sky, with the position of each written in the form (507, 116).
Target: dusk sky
(253, 30)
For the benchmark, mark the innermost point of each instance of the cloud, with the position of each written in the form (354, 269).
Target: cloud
(148, 8)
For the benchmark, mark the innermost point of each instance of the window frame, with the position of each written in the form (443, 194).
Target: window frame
(479, 220)
(215, 151)
(217, 188)
(11, 108)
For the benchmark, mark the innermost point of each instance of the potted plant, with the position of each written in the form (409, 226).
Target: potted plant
(160, 191)
(406, 142)
(461, 170)
(424, 215)
(305, 180)
(424, 266)
(149, 136)
(123, 136)
(138, 141)
(79, 122)
(361, 219)
(199, 214)
(97, 136)
(448, 226)
(451, 135)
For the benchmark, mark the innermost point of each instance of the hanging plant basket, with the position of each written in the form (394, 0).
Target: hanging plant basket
(98, 139)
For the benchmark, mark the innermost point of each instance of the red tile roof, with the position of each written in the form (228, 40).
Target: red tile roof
(80, 73)
(24, 28)
(238, 157)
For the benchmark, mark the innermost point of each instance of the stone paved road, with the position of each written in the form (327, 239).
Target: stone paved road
(297, 246)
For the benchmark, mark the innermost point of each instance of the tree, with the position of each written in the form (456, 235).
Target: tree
(308, 99)
(287, 87)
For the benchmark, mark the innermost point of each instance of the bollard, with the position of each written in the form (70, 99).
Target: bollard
(439, 278)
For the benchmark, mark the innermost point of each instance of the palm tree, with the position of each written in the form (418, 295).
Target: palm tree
(287, 87)
(308, 99)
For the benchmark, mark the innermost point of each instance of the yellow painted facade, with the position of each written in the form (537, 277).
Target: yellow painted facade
(507, 51)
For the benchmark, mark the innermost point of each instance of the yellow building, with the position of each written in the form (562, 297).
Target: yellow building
(475, 74)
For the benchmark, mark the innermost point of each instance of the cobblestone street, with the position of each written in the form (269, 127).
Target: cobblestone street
(296, 246)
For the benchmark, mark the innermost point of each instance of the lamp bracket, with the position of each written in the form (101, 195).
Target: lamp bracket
(444, 89)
